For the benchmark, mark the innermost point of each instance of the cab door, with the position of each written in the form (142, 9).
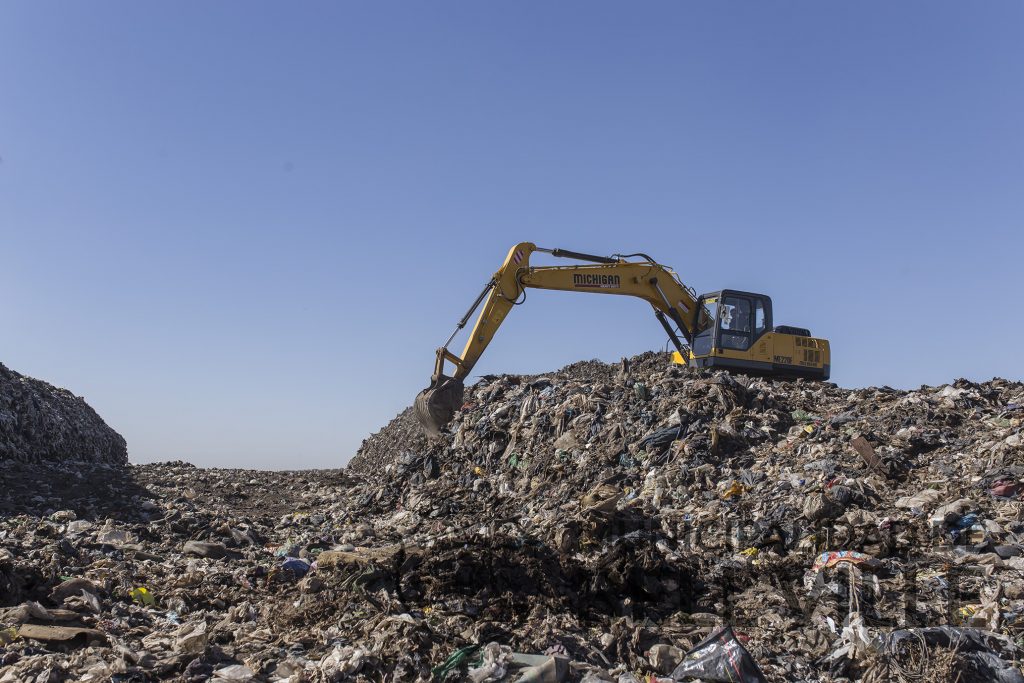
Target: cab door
(735, 322)
(744, 324)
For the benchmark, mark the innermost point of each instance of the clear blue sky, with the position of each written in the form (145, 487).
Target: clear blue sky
(240, 229)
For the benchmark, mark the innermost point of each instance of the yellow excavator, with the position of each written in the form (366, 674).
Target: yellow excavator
(725, 329)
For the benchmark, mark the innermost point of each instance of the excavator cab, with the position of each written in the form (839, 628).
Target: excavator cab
(737, 333)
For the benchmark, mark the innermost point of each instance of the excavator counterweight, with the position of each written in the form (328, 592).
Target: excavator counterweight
(727, 329)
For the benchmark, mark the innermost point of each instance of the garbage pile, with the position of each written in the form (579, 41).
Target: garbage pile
(607, 522)
(41, 422)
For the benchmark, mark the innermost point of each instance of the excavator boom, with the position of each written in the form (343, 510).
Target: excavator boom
(674, 304)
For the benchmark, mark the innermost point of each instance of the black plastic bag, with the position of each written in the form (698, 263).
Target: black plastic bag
(719, 657)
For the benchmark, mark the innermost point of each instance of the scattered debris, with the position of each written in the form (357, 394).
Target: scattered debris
(626, 522)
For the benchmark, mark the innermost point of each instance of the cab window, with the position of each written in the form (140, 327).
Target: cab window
(759, 321)
(735, 321)
(704, 340)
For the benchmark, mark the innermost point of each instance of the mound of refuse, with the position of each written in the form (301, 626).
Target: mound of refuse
(40, 422)
(794, 512)
(603, 523)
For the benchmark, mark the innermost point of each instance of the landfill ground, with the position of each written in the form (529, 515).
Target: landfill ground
(607, 522)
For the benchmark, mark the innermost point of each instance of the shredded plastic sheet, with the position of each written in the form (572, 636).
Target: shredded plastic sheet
(834, 557)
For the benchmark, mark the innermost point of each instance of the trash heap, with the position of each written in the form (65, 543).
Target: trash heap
(626, 522)
(40, 422)
(828, 527)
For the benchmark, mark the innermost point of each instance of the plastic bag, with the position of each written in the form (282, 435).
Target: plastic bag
(719, 657)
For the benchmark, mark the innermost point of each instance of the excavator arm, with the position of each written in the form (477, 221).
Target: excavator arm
(674, 304)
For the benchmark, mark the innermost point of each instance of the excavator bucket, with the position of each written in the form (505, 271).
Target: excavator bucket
(436, 405)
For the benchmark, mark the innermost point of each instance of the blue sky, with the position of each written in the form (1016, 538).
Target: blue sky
(240, 229)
